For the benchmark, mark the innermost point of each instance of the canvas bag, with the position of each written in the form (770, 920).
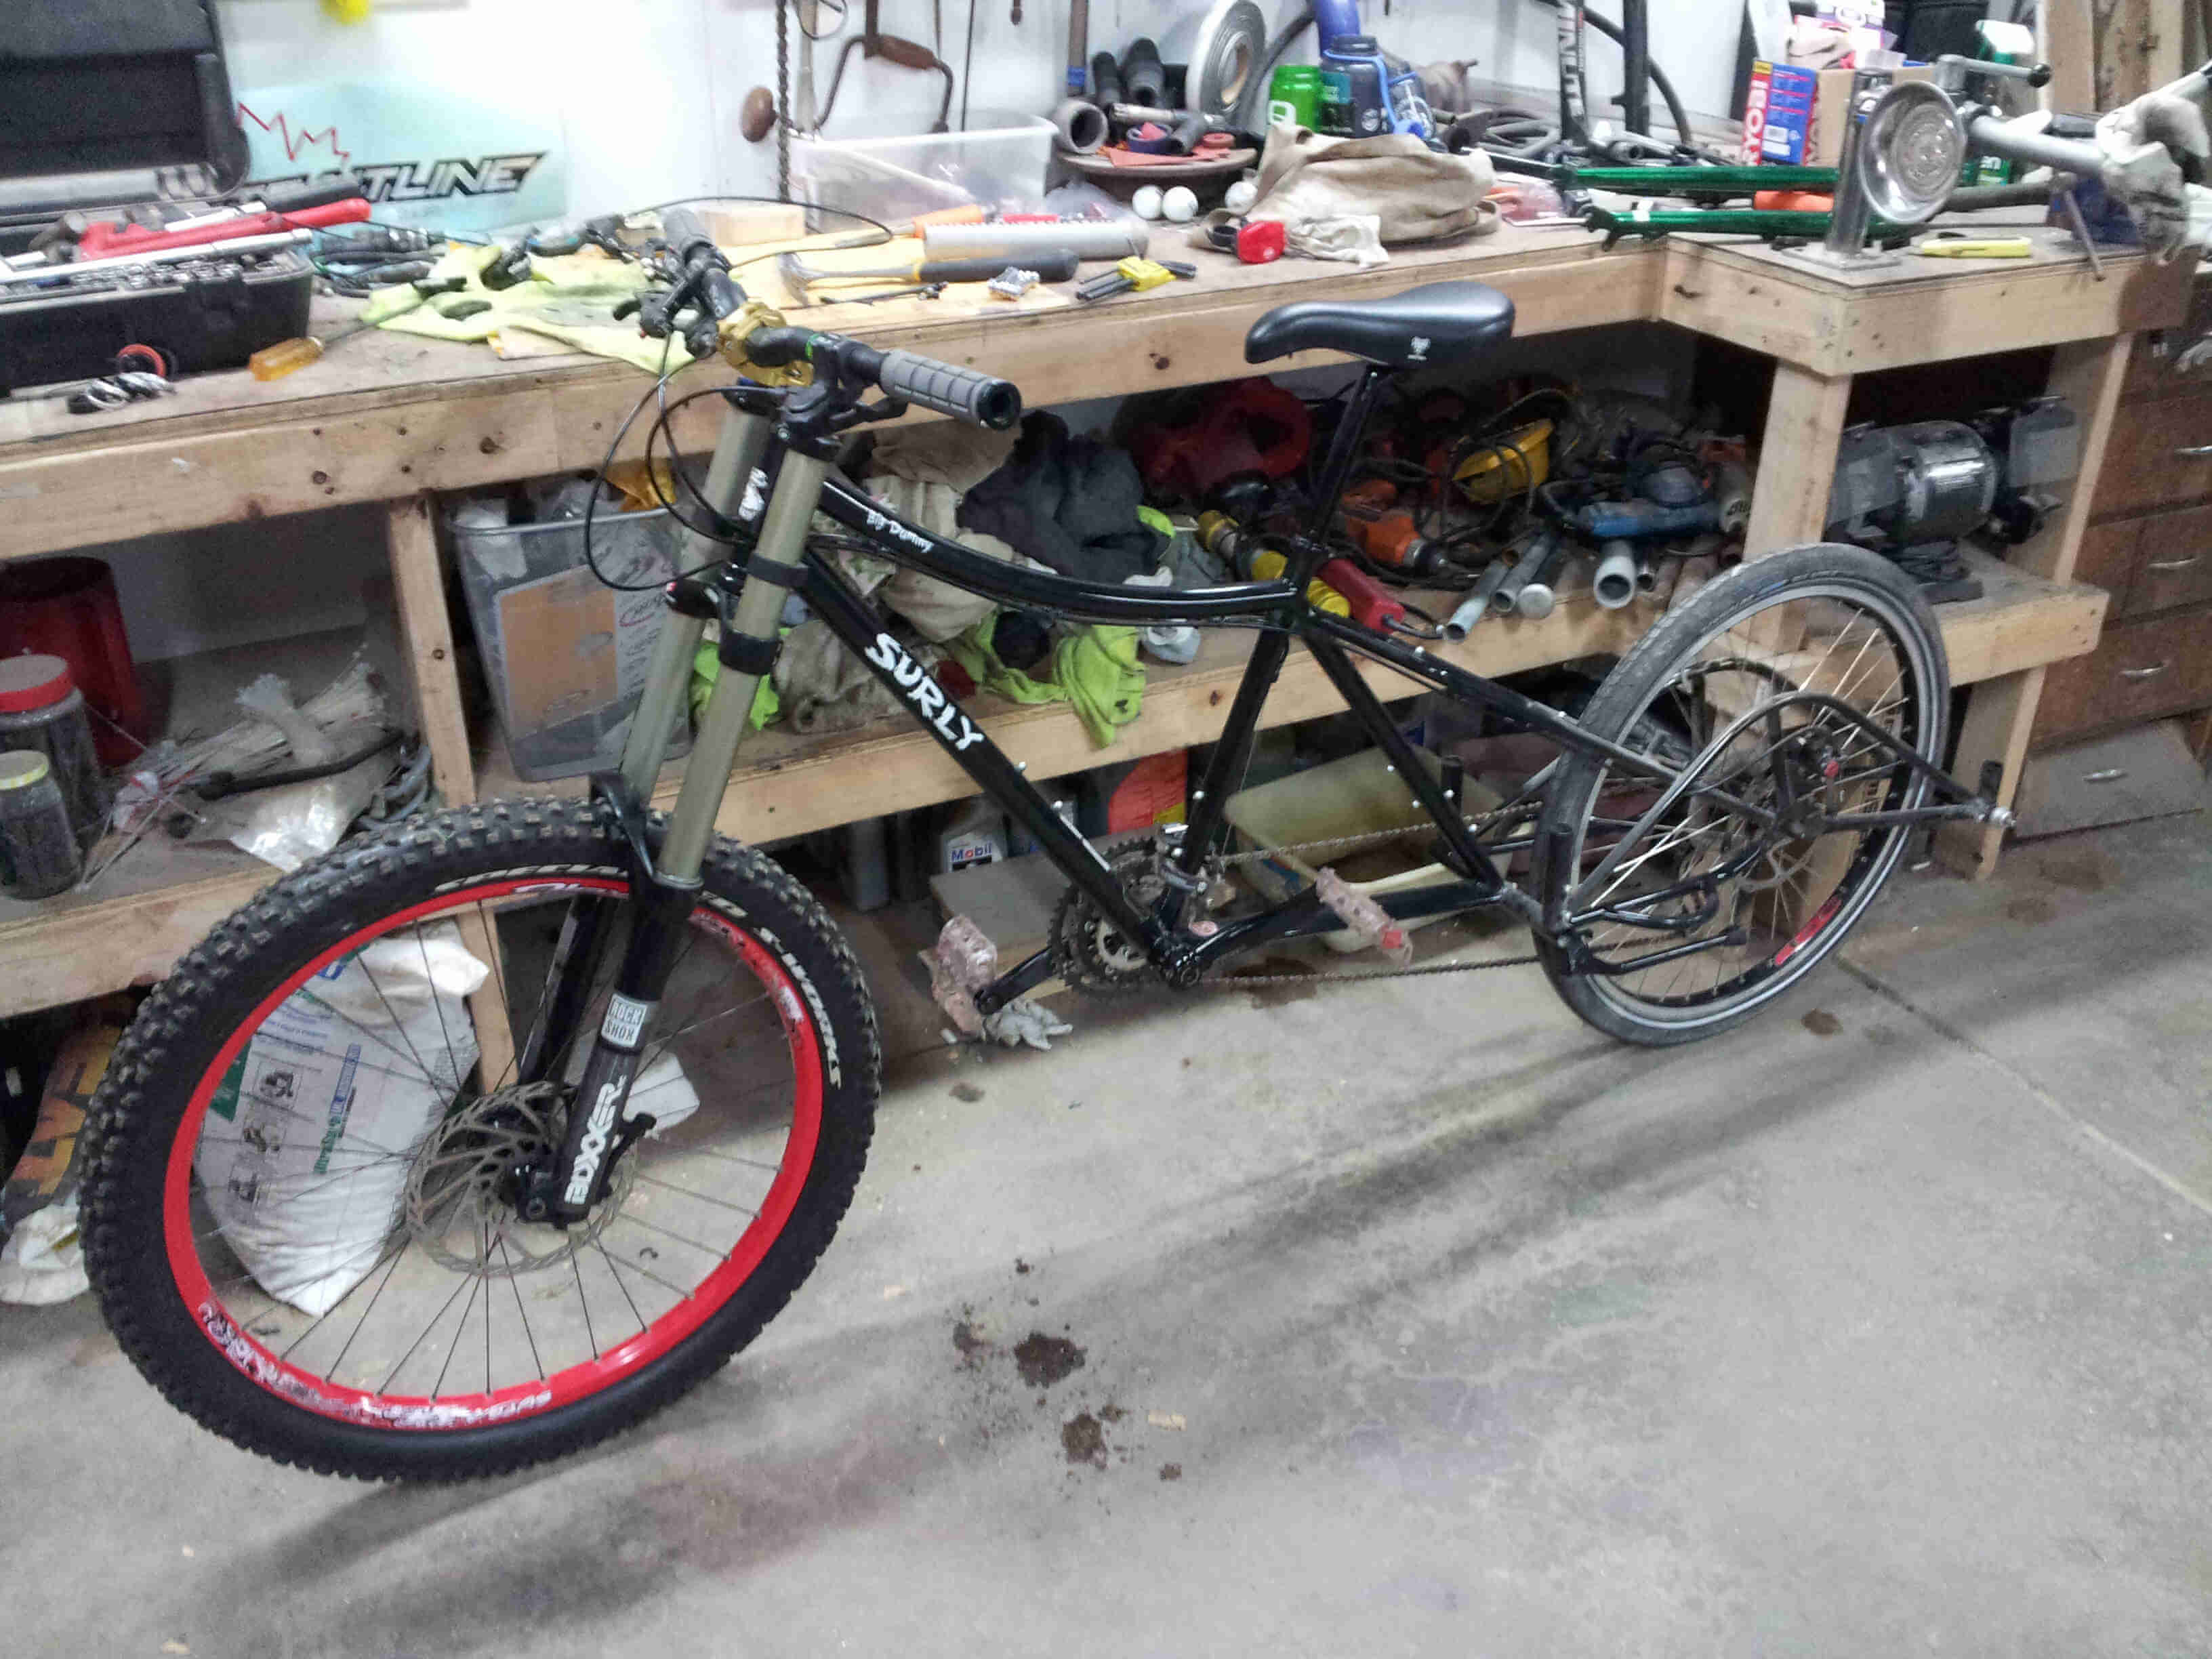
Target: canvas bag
(1419, 194)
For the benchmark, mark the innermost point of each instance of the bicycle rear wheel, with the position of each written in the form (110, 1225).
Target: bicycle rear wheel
(299, 1216)
(1759, 906)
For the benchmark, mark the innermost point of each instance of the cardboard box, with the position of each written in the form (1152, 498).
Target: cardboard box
(1831, 107)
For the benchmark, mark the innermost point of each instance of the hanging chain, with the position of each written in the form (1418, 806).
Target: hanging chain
(783, 98)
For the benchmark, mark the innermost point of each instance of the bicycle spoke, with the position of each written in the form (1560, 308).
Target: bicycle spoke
(701, 1197)
(528, 1335)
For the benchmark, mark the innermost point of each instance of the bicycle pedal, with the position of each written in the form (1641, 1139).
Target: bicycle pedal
(962, 962)
(1364, 917)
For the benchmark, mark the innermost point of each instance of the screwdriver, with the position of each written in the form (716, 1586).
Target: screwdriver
(274, 362)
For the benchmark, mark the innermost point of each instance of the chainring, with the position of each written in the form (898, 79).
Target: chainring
(1088, 951)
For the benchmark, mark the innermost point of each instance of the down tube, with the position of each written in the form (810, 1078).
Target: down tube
(960, 736)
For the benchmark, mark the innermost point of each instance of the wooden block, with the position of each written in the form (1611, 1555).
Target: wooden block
(742, 224)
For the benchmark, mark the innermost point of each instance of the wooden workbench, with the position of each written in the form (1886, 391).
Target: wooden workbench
(393, 418)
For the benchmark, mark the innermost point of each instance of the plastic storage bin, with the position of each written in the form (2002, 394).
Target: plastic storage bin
(1358, 795)
(1000, 158)
(566, 655)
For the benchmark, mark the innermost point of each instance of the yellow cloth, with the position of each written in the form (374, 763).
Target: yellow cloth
(570, 297)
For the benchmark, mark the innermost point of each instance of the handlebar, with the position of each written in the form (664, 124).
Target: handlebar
(705, 287)
(965, 394)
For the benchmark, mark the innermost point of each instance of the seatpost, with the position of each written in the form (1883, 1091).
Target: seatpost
(1336, 469)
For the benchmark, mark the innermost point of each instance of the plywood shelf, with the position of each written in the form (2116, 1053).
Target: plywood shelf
(130, 926)
(789, 785)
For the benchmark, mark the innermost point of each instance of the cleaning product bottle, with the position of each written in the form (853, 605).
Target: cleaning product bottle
(975, 834)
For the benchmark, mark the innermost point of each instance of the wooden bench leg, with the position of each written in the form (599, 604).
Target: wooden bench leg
(1796, 459)
(427, 632)
(2001, 714)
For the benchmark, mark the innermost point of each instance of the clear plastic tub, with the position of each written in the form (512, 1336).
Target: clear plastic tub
(999, 160)
(566, 655)
(1358, 795)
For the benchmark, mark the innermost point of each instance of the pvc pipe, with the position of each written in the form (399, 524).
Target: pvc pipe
(1079, 128)
(1098, 238)
(1614, 584)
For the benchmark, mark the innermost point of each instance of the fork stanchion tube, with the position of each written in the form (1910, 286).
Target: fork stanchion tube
(729, 705)
(738, 451)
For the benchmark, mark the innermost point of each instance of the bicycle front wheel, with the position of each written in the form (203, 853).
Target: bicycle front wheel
(1696, 919)
(300, 1217)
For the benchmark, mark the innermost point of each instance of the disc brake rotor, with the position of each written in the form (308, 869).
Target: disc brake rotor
(459, 1206)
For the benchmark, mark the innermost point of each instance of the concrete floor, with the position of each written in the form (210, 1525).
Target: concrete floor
(1881, 1326)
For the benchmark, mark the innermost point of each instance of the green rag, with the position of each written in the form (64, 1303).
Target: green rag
(1094, 670)
(973, 651)
(1098, 668)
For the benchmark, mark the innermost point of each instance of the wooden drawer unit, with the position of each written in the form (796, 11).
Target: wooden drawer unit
(2140, 671)
(2160, 453)
(2173, 564)
(2152, 371)
(2107, 560)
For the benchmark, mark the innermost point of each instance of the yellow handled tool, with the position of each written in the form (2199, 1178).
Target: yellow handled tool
(1993, 248)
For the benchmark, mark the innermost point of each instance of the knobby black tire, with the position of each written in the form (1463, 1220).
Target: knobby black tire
(1648, 666)
(140, 1106)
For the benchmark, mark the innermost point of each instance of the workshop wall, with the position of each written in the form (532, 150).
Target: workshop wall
(647, 91)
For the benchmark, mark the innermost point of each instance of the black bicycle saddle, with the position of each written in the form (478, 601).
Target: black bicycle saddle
(1443, 325)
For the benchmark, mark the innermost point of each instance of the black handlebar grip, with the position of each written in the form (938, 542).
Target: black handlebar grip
(723, 296)
(684, 231)
(962, 393)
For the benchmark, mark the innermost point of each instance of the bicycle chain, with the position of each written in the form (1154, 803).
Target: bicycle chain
(1240, 981)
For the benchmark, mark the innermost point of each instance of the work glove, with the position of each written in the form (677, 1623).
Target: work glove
(1024, 1021)
(2151, 148)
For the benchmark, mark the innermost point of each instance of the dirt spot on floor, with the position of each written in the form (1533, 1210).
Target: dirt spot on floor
(1020, 1266)
(1110, 1412)
(2034, 911)
(1044, 1360)
(1170, 1471)
(967, 1091)
(1275, 996)
(969, 1344)
(1820, 1023)
(1084, 1440)
(2085, 870)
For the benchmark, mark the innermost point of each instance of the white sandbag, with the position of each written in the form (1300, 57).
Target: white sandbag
(304, 1153)
(43, 1262)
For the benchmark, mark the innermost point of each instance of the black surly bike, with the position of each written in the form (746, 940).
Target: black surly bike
(530, 1265)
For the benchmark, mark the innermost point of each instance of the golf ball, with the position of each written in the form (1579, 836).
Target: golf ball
(1146, 201)
(1180, 205)
(1241, 196)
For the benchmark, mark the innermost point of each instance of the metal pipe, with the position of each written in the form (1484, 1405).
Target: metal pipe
(1847, 223)
(1636, 66)
(272, 242)
(1986, 132)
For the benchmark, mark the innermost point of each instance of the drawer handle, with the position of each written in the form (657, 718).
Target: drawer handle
(2195, 449)
(2149, 673)
(2109, 774)
(2173, 564)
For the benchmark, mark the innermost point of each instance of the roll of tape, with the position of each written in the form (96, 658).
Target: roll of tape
(1225, 59)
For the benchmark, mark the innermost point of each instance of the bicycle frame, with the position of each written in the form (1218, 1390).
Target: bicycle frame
(768, 481)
